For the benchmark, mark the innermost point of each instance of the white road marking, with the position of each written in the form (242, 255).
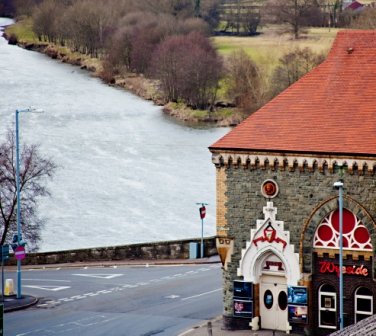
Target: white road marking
(71, 326)
(46, 280)
(48, 288)
(78, 297)
(118, 288)
(100, 276)
(172, 296)
(198, 295)
(129, 286)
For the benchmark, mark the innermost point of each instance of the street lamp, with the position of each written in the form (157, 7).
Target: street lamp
(339, 185)
(202, 216)
(30, 109)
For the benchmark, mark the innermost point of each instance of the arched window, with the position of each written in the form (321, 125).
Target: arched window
(363, 303)
(355, 234)
(327, 307)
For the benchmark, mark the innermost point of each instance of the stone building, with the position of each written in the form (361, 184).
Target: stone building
(278, 210)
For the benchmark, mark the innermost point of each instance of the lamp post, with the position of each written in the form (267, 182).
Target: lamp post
(19, 294)
(339, 185)
(202, 216)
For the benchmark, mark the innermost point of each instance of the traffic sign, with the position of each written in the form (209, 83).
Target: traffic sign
(19, 253)
(202, 212)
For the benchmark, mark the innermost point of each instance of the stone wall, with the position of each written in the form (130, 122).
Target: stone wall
(305, 196)
(178, 249)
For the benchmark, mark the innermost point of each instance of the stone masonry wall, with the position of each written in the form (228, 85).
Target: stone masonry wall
(300, 192)
(177, 249)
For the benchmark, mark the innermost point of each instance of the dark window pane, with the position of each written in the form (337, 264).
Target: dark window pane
(364, 305)
(328, 318)
(360, 317)
(327, 288)
(282, 300)
(364, 291)
(268, 299)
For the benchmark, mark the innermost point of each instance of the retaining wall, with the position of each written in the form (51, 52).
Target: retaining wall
(176, 249)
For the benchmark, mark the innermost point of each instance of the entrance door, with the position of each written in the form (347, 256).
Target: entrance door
(273, 302)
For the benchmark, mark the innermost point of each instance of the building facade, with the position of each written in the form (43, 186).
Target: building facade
(277, 208)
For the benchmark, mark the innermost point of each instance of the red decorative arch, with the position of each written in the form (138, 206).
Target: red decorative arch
(355, 234)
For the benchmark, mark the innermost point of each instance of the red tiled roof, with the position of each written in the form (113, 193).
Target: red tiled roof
(332, 109)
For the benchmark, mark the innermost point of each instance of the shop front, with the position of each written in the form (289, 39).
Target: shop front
(272, 291)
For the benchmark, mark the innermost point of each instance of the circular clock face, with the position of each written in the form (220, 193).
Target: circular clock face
(269, 188)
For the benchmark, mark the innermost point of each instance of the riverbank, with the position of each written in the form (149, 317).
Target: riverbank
(221, 115)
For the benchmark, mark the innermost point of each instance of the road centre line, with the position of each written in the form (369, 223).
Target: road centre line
(46, 280)
(202, 294)
(149, 282)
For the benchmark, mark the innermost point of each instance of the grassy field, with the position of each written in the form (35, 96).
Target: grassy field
(267, 47)
(23, 30)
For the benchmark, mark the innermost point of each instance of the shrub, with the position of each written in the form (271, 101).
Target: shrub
(245, 82)
(189, 69)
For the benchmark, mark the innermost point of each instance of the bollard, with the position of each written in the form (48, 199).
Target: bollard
(9, 287)
(210, 329)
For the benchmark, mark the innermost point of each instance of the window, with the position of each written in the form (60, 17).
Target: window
(282, 300)
(363, 303)
(355, 234)
(327, 307)
(268, 299)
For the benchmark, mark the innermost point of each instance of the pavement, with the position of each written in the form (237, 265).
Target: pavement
(214, 328)
(11, 303)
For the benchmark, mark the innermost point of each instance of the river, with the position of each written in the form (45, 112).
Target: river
(126, 172)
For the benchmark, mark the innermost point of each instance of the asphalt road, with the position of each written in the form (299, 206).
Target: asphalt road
(129, 300)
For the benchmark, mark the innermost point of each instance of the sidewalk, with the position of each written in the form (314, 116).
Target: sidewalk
(11, 302)
(216, 330)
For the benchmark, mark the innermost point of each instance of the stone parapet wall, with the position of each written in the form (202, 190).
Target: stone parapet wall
(177, 249)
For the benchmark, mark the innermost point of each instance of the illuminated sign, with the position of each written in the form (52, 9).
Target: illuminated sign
(330, 267)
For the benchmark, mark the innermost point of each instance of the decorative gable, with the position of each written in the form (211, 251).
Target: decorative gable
(269, 245)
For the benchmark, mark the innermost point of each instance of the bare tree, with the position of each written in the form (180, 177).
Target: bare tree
(33, 172)
(293, 66)
(366, 19)
(246, 83)
(45, 20)
(295, 13)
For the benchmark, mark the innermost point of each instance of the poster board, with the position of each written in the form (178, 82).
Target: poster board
(298, 314)
(297, 300)
(243, 290)
(243, 308)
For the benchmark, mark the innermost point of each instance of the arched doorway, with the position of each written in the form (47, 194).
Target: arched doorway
(273, 295)
(270, 262)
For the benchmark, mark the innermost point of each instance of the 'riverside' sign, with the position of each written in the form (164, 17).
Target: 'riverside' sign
(330, 267)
